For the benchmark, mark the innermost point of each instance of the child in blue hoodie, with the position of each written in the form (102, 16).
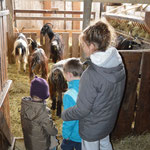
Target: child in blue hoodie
(70, 130)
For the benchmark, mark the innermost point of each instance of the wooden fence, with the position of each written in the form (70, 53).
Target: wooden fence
(5, 134)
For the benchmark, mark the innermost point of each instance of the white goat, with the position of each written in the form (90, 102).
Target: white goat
(21, 51)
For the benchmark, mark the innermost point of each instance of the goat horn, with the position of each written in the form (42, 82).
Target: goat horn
(29, 39)
(17, 30)
(22, 29)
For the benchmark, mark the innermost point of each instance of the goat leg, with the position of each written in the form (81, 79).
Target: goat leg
(59, 103)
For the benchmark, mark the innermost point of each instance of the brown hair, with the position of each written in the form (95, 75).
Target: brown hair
(74, 66)
(100, 34)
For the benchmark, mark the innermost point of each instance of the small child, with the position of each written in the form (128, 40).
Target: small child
(37, 125)
(101, 88)
(72, 71)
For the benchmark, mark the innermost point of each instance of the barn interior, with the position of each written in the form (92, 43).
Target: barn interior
(130, 19)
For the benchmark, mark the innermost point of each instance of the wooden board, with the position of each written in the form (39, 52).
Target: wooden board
(112, 1)
(65, 39)
(132, 64)
(142, 121)
(75, 45)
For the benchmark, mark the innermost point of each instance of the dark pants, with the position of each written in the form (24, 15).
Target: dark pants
(70, 145)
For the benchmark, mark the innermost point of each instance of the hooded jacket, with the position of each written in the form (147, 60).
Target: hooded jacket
(70, 129)
(100, 93)
(37, 126)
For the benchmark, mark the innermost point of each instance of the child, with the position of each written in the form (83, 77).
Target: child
(101, 88)
(72, 71)
(36, 123)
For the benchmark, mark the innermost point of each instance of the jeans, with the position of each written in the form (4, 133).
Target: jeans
(70, 145)
(53, 148)
(103, 144)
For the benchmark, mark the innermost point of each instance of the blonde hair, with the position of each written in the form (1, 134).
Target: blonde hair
(101, 34)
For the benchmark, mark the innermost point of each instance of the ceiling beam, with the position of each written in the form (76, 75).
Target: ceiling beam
(107, 1)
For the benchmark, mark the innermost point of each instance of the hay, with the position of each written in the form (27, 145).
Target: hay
(140, 142)
(20, 88)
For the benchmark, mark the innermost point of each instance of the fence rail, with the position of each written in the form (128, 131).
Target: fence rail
(51, 12)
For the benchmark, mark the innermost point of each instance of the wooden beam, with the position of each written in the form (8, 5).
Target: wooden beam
(107, 1)
(50, 11)
(4, 91)
(49, 18)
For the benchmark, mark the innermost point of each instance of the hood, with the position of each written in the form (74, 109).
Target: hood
(108, 59)
(108, 64)
(31, 109)
(74, 84)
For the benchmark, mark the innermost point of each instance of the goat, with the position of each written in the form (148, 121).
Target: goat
(56, 44)
(127, 43)
(21, 50)
(38, 61)
(57, 85)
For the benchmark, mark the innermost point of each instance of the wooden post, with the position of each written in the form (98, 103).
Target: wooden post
(47, 6)
(87, 13)
(75, 45)
(101, 9)
(10, 40)
(76, 24)
(65, 39)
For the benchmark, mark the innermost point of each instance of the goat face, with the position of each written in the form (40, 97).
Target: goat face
(58, 79)
(47, 29)
(38, 63)
(127, 44)
(34, 45)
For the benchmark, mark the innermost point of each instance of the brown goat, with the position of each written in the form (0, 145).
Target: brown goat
(38, 62)
(57, 85)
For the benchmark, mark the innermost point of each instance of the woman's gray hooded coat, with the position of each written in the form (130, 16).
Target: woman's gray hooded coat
(100, 93)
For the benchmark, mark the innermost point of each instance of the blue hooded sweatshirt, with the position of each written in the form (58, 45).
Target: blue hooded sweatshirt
(70, 129)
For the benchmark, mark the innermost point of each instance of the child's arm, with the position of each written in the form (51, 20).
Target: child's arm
(68, 126)
(47, 124)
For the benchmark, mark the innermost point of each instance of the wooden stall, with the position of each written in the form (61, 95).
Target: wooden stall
(5, 134)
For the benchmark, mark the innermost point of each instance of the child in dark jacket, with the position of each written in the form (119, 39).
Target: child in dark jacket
(37, 125)
(72, 71)
(101, 88)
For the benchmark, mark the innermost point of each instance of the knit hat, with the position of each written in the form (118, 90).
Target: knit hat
(39, 88)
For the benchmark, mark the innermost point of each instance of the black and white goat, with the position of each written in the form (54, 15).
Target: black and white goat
(21, 51)
(56, 44)
(38, 61)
